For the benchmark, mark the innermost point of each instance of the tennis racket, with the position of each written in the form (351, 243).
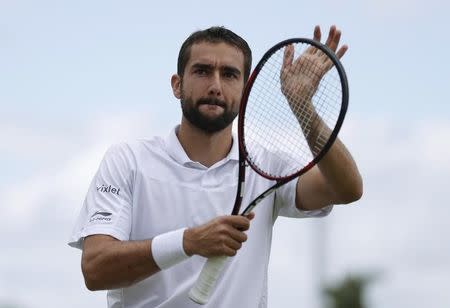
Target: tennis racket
(293, 107)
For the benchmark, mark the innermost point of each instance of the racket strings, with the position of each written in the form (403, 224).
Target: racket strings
(291, 123)
(260, 119)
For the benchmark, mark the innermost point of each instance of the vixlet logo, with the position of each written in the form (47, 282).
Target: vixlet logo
(108, 189)
(100, 216)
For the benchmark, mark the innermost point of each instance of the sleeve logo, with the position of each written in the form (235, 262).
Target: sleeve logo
(100, 216)
(108, 189)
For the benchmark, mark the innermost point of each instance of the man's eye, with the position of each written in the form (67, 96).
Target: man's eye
(230, 75)
(200, 71)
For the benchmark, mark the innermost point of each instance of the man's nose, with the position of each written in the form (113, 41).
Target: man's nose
(215, 86)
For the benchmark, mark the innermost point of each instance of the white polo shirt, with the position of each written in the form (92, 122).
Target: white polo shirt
(149, 187)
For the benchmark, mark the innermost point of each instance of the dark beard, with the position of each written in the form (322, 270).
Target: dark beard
(209, 125)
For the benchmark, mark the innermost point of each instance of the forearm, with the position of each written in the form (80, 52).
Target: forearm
(341, 174)
(339, 180)
(335, 180)
(314, 129)
(337, 166)
(114, 264)
(108, 263)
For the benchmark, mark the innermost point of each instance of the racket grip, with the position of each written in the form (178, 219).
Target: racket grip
(204, 286)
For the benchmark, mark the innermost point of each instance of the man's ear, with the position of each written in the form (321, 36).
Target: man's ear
(175, 81)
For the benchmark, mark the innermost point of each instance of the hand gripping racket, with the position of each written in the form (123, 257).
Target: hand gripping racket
(293, 107)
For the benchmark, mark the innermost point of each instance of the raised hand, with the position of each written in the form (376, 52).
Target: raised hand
(301, 77)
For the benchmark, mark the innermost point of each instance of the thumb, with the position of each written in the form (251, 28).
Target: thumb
(250, 215)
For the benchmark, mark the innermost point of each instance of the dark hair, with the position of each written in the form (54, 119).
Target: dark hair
(214, 35)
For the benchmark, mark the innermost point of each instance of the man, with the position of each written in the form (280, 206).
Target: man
(157, 208)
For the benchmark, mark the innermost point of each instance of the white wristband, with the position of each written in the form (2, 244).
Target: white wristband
(167, 249)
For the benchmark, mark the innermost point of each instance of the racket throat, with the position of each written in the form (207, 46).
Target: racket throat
(240, 188)
(255, 202)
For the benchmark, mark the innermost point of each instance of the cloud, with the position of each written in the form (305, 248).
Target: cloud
(400, 9)
(68, 163)
(38, 211)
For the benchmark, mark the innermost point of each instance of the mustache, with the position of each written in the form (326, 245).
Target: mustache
(211, 101)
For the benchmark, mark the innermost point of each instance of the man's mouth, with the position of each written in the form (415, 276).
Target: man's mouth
(212, 102)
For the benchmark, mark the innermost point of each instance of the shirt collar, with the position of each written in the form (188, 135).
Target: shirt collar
(234, 152)
(176, 151)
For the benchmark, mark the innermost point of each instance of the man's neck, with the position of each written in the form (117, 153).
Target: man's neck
(203, 147)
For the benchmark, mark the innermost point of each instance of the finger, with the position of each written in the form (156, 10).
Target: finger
(335, 42)
(234, 226)
(250, 215)
(237, 235)
(235, 245)
(341, 52)
(317, 33)
(230, 252)
(331, 35)
(227, 251)
(240, 222)
(317, 37)
(327, 65)
(233, 220)
(288, 56)
(241, 237)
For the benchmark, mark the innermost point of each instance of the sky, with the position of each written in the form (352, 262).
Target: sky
(78, 76)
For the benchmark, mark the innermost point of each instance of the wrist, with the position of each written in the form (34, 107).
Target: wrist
(188, 243)
(168, 250)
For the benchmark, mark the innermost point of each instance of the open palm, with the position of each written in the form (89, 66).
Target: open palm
(301, 77)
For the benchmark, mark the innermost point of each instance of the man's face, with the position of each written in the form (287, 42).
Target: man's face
(212, 85)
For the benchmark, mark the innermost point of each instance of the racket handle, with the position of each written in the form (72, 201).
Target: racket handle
(204, 286)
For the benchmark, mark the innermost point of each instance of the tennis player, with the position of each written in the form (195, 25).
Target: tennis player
(157, 208)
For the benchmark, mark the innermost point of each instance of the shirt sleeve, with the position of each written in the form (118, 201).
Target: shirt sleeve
(285, 204)
(107, 207)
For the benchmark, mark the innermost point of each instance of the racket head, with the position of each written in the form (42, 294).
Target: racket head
(260, 126)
